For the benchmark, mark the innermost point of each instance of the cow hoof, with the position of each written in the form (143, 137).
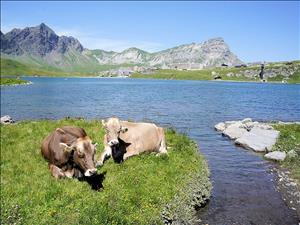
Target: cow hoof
(162, 154)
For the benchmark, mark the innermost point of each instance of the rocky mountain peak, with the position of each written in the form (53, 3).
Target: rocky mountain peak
(41, 43)
(38, 41)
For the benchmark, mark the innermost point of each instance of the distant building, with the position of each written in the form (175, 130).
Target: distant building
(240, 66)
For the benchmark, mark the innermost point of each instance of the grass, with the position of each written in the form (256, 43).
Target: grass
(139, 191)
(12, 67)
(295, 78)
(289, 139)
(16, 68)
(12, 81)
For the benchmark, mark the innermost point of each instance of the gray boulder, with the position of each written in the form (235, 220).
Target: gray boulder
(220, 126)
(6, 119)
(264, 126)
(246, 120)
(258, 139)
(276, 155)
(235, 131)
(228, 123)
(250, 125)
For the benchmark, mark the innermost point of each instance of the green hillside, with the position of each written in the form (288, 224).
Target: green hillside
(39, 68)
(32, 67)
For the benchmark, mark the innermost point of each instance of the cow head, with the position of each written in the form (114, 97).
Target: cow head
(113, 129)
(83, 154)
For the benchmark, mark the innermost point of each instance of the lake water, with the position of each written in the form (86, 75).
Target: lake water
(244, 191)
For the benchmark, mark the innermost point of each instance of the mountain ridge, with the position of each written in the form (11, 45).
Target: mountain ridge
(40, 45)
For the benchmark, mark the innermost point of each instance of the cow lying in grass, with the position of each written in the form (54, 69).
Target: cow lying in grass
(124, 139)
(70, 153)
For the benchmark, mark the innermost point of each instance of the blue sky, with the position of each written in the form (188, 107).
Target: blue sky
(254, 31)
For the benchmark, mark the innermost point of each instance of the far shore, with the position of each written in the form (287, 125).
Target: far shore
(139, 78)
(13, 81)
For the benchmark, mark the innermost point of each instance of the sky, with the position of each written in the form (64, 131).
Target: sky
(254, 30)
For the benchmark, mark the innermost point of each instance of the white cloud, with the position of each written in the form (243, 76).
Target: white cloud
(97, 41)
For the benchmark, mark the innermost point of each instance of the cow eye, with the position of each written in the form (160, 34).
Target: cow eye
(80, 154)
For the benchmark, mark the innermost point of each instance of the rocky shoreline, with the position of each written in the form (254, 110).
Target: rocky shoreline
(261, 137)
(255, 136)
(288, 188)
(9, 85)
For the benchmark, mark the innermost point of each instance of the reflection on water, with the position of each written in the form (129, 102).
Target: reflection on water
(244, 192)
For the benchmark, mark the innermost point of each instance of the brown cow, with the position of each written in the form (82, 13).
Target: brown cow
(70, 152)
(134, 137)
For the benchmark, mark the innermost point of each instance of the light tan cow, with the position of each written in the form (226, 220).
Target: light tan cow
(131, 139)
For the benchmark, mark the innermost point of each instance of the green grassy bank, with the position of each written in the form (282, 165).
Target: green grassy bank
(289, 139)
(142, 190)
(11, 81)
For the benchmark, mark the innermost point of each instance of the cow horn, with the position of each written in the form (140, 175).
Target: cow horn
(67, 148)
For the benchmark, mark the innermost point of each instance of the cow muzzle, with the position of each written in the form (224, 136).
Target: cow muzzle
(113, 142)
(90, 172)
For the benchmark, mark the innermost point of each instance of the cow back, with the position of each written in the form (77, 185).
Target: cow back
(142, 136)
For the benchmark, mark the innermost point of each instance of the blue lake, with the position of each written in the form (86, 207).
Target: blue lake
(244, 192)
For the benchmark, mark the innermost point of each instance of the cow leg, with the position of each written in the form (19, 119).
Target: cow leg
(56, 171)
(105, 155)
(163, 147)
(69, 173)
(129, 154)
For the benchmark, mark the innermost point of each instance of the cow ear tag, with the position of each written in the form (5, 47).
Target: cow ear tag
(124, 129)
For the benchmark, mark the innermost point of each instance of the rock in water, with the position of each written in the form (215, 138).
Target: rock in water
(6, 119)
(235, 131)
(276, 155)
(220, 126)
(258, 139)
(247, 120)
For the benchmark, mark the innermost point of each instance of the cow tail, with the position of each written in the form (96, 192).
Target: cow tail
(163, 145)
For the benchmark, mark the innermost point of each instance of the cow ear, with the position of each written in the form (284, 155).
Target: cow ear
(124, 129)
(60, 130)
(66, 147)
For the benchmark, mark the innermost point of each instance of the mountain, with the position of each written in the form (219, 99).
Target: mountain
(38, 41)
(41, 46)
(211, 53)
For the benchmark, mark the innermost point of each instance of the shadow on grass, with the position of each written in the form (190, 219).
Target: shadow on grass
(96, 181)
